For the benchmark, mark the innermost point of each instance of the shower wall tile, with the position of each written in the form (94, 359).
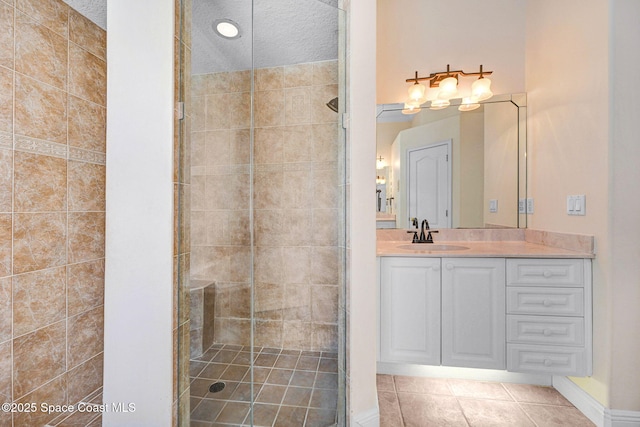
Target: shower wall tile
(268, 300)
(297, 189)
(86, 186)
(6, 180)
(38, 299)
(269, 108)
(52, 155)
(325, 73)
(323, 265)
(268, 145)
(198, 113)
(40, 183)
(40, 110)
(297, 303)
(39, 52)
(5, 313)
(6, 98)
(5, 244)
(297, 105)
(296, 203)
(298, 75)
(5, 373)
(53, 393)
(325, 137)
(239, 105)
(38, 241)
(6, 35)
(298, 144)
(38, 357)
(87, 125)
(268, 187)
(86, 34)
(218, 115)
(84, 328)
(85, 378)
(86, 236)
(324, 303)
(85, 286)
(87, 75)
(240, 146)
(53, 14)
(269, 78)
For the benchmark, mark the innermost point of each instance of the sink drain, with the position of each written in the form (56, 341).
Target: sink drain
(216, 387)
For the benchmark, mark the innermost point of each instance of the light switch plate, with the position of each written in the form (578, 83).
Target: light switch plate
(576, 205)
(493, 205)
(522, 206)
(530, 205)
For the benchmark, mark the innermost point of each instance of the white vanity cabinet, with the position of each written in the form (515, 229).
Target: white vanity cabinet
(473, 310)
(409, 310)
(549, 316)
(526, 315)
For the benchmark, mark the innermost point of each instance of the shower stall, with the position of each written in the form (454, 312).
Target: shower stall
(262, 287)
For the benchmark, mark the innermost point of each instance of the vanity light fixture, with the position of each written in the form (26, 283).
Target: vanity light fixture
(447, 82)
(379, 163)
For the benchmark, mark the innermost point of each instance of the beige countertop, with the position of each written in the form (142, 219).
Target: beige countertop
(479, 249)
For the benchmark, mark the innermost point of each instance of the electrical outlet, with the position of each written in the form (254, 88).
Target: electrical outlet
(530, 205)
(522, 206)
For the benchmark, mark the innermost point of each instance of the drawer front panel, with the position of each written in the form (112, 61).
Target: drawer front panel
(546, 359)
(545, 330)
(545, 272)
(545, 301)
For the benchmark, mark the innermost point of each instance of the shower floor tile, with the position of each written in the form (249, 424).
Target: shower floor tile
(290, 387)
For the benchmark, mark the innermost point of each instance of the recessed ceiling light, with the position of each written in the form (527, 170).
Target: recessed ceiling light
(227, 28)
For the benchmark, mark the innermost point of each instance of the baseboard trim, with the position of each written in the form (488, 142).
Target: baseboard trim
(592, 409)
(369, 418)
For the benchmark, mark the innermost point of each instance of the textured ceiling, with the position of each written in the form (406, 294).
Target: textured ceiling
(284, 32)
(95, 10)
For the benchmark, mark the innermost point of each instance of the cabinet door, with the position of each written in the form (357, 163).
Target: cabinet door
(410, 310)
(473, 312)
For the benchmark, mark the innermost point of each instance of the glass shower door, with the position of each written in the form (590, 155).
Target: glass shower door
(266, 280)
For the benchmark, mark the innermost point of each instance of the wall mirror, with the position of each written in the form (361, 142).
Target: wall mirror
(457, 169)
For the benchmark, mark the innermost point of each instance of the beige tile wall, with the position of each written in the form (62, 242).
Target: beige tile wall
(52, 205)
(296, 200)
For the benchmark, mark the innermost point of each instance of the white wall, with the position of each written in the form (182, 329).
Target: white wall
(138, 348)
(568, 133)
(362, 223)
(426, 35)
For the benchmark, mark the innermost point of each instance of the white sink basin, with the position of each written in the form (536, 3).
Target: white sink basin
(429, 247)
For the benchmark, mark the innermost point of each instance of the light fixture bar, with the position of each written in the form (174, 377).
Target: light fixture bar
(435, 78)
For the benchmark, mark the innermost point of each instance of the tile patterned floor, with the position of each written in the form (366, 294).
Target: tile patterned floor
(292, 388)
(413, 401)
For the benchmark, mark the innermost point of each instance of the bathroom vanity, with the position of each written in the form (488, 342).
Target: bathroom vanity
(505, 305)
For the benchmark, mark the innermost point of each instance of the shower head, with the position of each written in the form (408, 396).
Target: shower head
(333, 104)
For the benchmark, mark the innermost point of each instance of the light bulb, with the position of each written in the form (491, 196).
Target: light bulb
(481, 89)
(468, 104)
(448, 88)
(416, 93)
(439, 104)
(411, 107)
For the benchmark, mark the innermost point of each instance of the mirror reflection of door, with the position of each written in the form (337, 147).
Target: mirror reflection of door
(429, 184)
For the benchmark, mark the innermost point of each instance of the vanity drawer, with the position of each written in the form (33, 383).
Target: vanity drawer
(545, 330)
(546, 359)
(545, 301)
(545, 272)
